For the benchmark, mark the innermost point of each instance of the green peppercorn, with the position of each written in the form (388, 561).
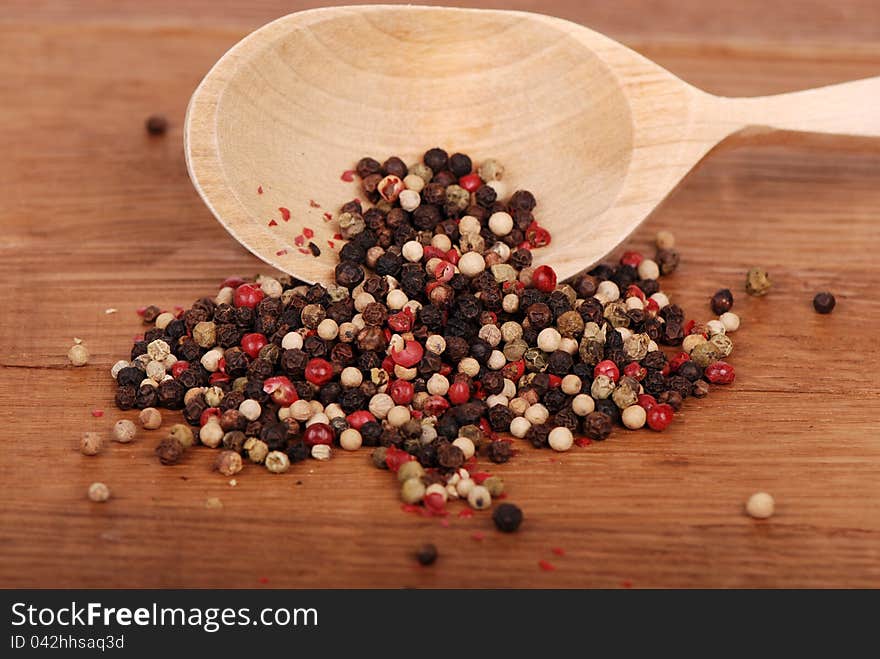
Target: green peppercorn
(757, 282)
(410, 470)
(705, 353)
(378, 457)
(412, 490)
(495, 486)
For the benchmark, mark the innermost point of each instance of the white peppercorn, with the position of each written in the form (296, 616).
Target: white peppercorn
(163, 319)
(350, 439)
(730, 321)
(380, 405)
(277, 462)
(537, 414)
(79, 355)
(469, 224)
(228, 463)
(560, 439)
(211, 359)
(214, 396)
(519, 405)
(500, 223)
(691, 341)
(124, 431)
(118, 366)
(491, 334)
(328, 329)
(211, 434)
(409, 200)
(414, 182)
(90, 443)
(714, 327)
(760, 505)
(271, 287)
(321, 452)
(549, 339)
(292, 340)
(664, 240)
(318, 417)
(150, 418)
(158, 350)
(634, 417)
(257, 450)
(607, 291)
(496, 360)
(571, 384)
(660, 298)
(582, 405)
(98, 492)
(435, 344)
(490, 170)
(437, 488)
(469, 366)
(398, 415)
(250, 409)
(510, 303)
(466, 444)
(648, 269)
(396, 299)
(479, 498)
(471, 264)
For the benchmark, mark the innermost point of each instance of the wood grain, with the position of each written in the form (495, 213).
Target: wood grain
(97, 215)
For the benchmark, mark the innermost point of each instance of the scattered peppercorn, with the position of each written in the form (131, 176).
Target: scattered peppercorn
(98, 492)
(156, 124)
(760, 505)
(507, 517)
(90, 443)
(824, 302)
(78, 355)
(757, 282)
(436, 333)
(427, 554)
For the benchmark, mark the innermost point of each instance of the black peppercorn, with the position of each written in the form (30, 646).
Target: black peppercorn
(126, 396)
(507, 517)
(436, 158)
(427, 554)
(449, 456)
(499, 451)
(824, 302)
(459, 164)
(722, 301)
(130, 376)
(667, 260)
(597, 426)
(349, 274)
(156, 124)
(171, 394)
(537, 435)
(671, 398)
(394, 166)
(500, 417)
(367, 166)
(192, 412)
(690, 370)
(522, 200)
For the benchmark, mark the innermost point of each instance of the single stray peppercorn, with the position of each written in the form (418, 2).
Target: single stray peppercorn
(427, 554)
(824, 302)
(507, 517)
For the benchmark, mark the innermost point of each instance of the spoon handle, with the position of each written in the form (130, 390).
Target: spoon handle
(849, 108)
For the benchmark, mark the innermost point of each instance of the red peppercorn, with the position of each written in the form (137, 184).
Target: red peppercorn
(218, 376)
(452, 256)
(608, 368)
(401, 392)
(631, 258)
(232, 282)
(514, 370)
(395, 458)
(282, 390)
(444, 271)
(253, 343)
(410, 355)
(248, 295)
(388, 365)
(435, 405)
(689, 327)
(634, 291)
(358, 418)
(651, 307)
(544, 279)
(459, 393)
(660, 416)
(676, 362)
(208, 414)
(319, 371)
(647, 401)
(435, 503)
(402, 321)
(536, 236)
(318, 433)
(179, 367)
(720, 373)
(554, 381)
(470, 182)
(635, 370)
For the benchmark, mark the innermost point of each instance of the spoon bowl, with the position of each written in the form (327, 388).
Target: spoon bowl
(600, 134)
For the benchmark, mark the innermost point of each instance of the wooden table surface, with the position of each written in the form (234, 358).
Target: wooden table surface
(96, 215)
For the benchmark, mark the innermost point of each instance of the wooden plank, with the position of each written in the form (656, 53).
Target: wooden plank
(96, 215)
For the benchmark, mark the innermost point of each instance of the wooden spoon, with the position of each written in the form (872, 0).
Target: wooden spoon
(599, 133)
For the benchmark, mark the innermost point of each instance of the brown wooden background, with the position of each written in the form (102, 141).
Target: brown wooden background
(96, 215)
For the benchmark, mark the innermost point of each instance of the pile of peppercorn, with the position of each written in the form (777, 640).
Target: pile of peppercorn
(437, 335)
